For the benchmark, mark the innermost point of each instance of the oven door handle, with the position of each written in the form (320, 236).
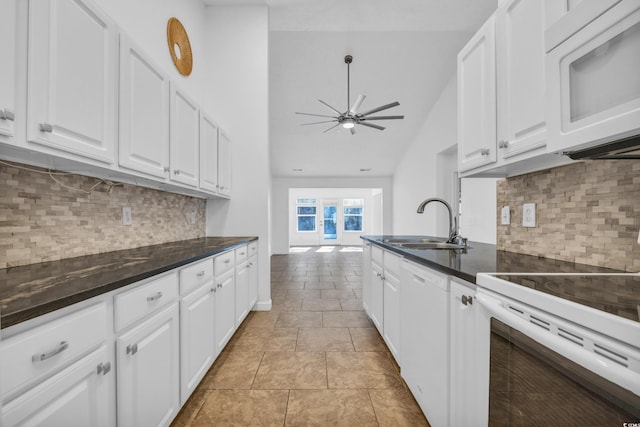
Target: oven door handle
(604, 367)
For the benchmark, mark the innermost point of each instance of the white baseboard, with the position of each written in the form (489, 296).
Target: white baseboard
(262, 306)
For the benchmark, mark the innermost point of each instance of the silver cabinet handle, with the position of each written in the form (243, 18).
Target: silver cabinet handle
(217, 186)
(7, 114)
(49, 354)
(167, 169)
(220, 285)
(200, 274)
(227, 261)
(46, 127)
(213, 290)
(503, 144)
(176, 171)
(132, 349)
(484, 152)
(103, 368)
(155, 297)
(466, 300)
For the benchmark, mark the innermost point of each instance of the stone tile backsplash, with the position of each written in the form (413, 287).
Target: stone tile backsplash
(40, 220)
(587, 212)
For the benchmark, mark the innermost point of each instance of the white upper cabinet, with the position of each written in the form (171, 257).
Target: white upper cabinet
(520, 71)
(72, 71)
(143, 112)
(8, 67)
(208, 154)
(593, 77)
(185, 138)
(224, 164)
(477, 100)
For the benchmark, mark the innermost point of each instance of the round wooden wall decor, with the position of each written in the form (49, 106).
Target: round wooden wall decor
(179, 46)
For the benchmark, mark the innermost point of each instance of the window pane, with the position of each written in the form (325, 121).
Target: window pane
(353, 223)
(306, 210)
(306, 201)
(306, 223)
(353, 211)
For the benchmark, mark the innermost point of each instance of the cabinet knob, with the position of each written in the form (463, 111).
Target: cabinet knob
(7, 114)
(132, 349)
(467, 300)
(201, 273)
(103, 368)
(213, 290)
(219, 285)
(176, 171)
(484, 152)
(167, 169)
(49, 354)
(46, 127)
(155, 297)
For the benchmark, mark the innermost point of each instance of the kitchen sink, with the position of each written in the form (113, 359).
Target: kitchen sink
(412, 240)
(430, 245)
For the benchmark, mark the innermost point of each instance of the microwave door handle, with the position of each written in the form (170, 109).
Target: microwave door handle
(606, 368)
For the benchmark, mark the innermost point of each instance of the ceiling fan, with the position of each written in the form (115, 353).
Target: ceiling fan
(352, 116)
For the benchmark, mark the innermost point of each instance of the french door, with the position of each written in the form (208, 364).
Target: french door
(330, 222)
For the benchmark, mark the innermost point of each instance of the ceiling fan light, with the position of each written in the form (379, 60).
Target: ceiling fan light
(348, 124)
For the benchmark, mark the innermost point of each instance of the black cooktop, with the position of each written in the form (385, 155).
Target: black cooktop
(615, 294)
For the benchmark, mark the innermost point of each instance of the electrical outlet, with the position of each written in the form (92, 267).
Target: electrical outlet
(193, 217)
(126, 216)
(505, 217)
(529, 215)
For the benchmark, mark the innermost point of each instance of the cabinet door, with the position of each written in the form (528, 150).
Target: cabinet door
(224, 164)
(521, 81)
(148, 371)
(197, 338)
(242, 292)
(208, 154)
(366, 277)
(464, 390)
(477, 100)
(8, 21)
(391, 308)
(80, 395)
(144, 113)
(253, 281)
(225, 309)
(377, 295)
(185, 138)
(72, 71)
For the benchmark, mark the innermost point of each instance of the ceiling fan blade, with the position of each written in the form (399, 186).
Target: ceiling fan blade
(337, 124)
(327, 105)
(353, 130)
(356, 105)
(383, 118)
(384, 107)
(371, 125)
(317, 115)
(316, 123)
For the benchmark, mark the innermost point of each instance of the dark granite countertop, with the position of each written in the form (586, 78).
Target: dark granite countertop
(482, 258)
(33, 290)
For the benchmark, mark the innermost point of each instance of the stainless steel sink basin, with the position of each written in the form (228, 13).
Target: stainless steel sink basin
(411, 240)
(430, 245)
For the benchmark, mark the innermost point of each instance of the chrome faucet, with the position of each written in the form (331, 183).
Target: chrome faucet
(454, 235)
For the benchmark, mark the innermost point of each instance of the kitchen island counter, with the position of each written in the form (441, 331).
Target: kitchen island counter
(32, 290)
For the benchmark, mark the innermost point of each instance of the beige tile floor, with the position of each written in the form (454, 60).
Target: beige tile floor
(315, 359)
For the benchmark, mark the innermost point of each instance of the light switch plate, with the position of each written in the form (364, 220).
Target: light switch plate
(126, 216)
(529, 215)
(505, 216)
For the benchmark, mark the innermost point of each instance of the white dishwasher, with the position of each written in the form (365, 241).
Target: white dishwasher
(424, 336)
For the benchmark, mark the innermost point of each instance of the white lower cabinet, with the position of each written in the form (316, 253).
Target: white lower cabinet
(463, 351)
(376, 310)
(77, 396)
(424, 319)
(197, 338)
(148, 370)
(225, 309)
(366, 277)
(391, 303)
(253, 274)
(242, 284)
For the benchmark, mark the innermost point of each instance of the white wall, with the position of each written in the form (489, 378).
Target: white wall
(145, 21)
(280, 202)
(417, 178)
(236, 94)
(345, 238)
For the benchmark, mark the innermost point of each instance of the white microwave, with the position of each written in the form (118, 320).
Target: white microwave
(593, 75)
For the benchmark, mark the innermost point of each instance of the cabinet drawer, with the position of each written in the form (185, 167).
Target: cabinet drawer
(392, 263)
(195, 275)
(135, 304)
(39, 352)
(376, 254)
(253, 248)
(241, 254)
(223, 262)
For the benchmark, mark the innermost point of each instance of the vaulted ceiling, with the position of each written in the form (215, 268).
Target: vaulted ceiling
(403, 50)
